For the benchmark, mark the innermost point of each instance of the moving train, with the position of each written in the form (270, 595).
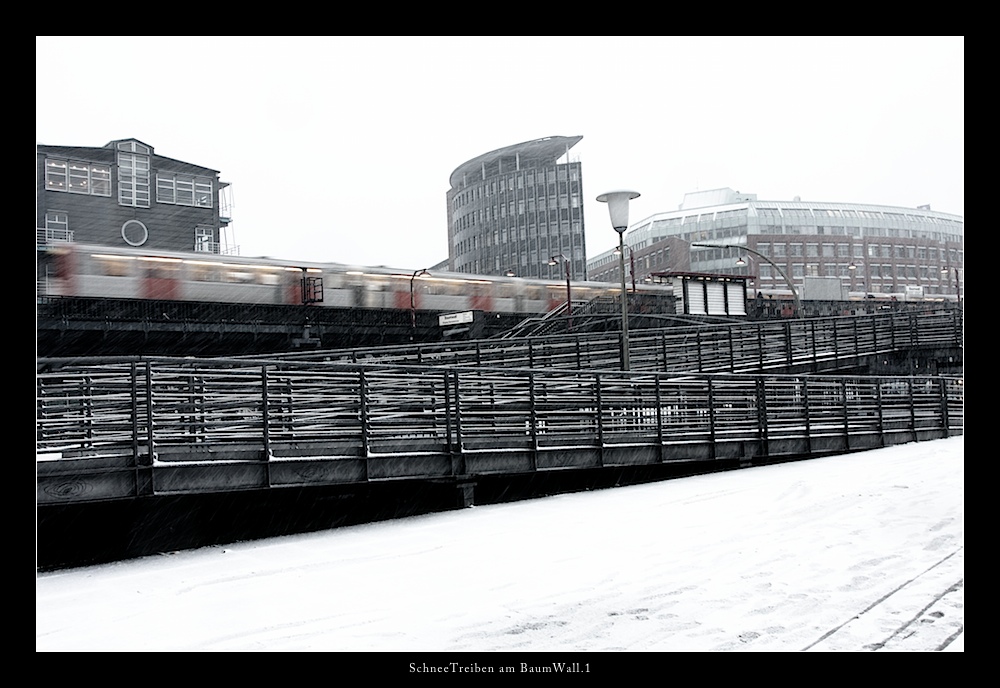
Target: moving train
(90, 271)
(877, 297)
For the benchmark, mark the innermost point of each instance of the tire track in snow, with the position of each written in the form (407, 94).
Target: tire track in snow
(857, 632)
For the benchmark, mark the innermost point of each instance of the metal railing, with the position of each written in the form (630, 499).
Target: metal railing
(127, 429)
(45, 236)
(119, 430)
(769, 346)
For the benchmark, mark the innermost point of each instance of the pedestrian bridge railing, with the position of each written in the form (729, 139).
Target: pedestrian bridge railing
(799, 345)
(127, 429)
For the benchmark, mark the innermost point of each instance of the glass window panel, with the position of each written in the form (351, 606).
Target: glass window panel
(100, 181)
(185, 192)
(56, 175)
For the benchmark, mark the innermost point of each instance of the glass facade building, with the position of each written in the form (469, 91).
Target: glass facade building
(511, 210)
(871, 248)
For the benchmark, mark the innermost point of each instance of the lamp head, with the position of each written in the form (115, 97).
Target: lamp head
(618, 207)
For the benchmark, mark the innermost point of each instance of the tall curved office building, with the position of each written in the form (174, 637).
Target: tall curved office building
(512, 209)
(871, 248)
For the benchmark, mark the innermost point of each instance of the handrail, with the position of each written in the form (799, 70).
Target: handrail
(762, 346)
(507, 407)
(117, 407)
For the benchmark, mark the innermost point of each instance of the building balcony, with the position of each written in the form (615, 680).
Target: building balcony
(45, 236)
(216, 248)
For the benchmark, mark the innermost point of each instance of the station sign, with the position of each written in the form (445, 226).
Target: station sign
(455, 318)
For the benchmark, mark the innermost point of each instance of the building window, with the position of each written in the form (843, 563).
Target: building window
(77, 177)
(56, 228)
(57, 221)
(133, 180)
(56, 175)
(183, 189)
(203, 240)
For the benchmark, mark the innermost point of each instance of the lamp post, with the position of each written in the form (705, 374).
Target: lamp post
(958, 293)
(618, 208)
(631, 264)
(740, 261)
(569, 293)
(413, 303)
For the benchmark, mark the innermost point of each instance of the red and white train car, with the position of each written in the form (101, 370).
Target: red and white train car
(76, 270)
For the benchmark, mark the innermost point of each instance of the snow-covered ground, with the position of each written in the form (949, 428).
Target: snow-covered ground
(849, 553)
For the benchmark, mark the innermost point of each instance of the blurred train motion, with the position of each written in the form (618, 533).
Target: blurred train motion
(878, 298)
(76, 270)
(101, 272)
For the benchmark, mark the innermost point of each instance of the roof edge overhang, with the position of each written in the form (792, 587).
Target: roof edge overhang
(550, 147)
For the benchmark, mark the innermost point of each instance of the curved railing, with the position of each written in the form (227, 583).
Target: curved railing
(806, 345)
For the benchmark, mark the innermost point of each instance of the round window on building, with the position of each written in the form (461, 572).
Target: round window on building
(134, 233)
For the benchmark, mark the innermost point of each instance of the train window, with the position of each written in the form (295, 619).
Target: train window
(160, 268)
(112, 267)
(458, 288)
(376, 283)
(352, 278)
(204, 273)
(505, 290)
(333, 280)
(238, 276)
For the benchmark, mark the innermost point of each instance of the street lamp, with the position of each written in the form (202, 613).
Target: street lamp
(413, 303)
(569, 294)
(958, 293)
(631, 261)
(618, 207)
(740, 262)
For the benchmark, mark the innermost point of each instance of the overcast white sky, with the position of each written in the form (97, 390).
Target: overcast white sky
(339, 149)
